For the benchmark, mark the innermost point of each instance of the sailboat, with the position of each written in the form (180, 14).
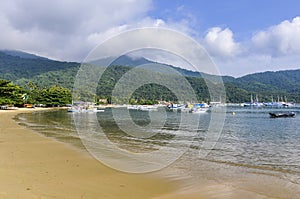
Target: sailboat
(280, 103)
(253, 103)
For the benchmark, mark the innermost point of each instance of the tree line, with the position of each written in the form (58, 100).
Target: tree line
(12, 94)
(42, 91)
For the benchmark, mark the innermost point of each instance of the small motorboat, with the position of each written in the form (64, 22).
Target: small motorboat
(282, 114)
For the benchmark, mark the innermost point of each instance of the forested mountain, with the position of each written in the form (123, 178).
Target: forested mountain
(22, 68)
(268, 85)
(21, 54)
(288, 80)
(14, 66)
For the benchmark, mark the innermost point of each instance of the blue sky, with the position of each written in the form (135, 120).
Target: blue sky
(264, 32)
(241, 37)
(243, 17)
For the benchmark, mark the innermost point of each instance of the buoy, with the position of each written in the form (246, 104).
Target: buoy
(233, 113)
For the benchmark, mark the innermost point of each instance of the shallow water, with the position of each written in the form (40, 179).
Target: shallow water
(250, 141)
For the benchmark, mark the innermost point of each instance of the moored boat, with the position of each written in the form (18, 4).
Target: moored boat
(3, 107)
(81, 109)
(253, 103)
(200, 108)
(175, 107)
(282, 114)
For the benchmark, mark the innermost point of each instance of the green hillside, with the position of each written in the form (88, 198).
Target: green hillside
(288, 81)
(15, 67)
(282, 84)
(22, 69)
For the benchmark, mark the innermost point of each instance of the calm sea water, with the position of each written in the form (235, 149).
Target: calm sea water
(249, 138)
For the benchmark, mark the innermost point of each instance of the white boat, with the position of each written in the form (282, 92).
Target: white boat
(8, 107)
(148, 108)
(133, 107)
(200, 108)
(175, 107)
(253, 103)
(279, 103)
(143, 107)
(78, 109)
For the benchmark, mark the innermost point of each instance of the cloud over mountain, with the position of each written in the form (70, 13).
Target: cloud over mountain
(220, 42)
(278, 40)
(61, 28)
(69, 30)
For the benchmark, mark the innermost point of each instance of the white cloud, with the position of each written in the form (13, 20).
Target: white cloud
(279, 40)
(63, 29)
(252, 63)
(69, 30)
(276, 48)
(220, 43)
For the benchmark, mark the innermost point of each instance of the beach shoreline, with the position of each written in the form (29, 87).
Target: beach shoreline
(35, 166)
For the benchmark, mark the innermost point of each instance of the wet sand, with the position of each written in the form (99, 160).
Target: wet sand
(34, 166)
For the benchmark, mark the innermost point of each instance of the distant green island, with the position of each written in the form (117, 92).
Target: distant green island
(26, 78)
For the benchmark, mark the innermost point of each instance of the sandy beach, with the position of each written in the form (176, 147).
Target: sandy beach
(34, 166)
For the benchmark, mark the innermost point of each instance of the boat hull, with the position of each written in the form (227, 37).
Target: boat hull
(278, 115)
